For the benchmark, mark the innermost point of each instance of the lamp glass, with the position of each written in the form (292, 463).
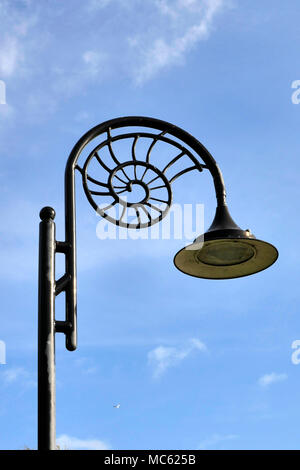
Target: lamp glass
(224, 253)
(226, 258)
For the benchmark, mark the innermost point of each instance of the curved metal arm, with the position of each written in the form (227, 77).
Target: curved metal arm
(68, 282)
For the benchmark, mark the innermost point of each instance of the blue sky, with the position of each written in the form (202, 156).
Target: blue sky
(195, 364)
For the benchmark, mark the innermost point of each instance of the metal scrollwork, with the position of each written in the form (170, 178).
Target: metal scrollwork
(138, 194)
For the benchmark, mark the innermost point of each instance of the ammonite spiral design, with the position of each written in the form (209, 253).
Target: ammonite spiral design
(138, 194)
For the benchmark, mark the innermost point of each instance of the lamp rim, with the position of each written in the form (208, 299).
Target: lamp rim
(258, 245)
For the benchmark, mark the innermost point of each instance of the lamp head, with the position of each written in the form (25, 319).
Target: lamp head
(225, 251)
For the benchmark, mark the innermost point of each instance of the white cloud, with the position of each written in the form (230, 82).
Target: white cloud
(138, 40)
(89, 67)
(17, 374)
(7, 112)
(16, 24)
(162, 357)
(13, 374)
(19, 236)
(94, 61)
(188, 22)
(66, 442)
(269, 379)
(214, 440)
(10, 56)
(43, 66)
(84, 365)
(94, 5)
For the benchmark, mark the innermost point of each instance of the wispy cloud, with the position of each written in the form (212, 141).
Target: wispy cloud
(6, 113)
(90, 66)
(93, 59)
(10, 55)
(95, 5)
(165, 31)
(214, 441)
(16, 24)
(19, 262)
(269, 379)
(18, 375)
(13, 374)
(85, 366)
(186, 23)
(45, 63)
(73, 443)
(163, 357)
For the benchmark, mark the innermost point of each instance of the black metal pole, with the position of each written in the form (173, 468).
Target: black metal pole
(46, 332)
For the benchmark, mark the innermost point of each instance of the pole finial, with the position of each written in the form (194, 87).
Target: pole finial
(47, 213)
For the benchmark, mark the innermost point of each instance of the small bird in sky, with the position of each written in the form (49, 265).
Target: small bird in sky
(117, 406)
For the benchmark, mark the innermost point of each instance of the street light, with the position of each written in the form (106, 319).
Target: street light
(225, 251)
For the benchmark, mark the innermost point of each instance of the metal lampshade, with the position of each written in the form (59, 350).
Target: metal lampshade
(225, 251)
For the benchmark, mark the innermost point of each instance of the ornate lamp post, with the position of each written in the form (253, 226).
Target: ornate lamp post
(225, 251)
